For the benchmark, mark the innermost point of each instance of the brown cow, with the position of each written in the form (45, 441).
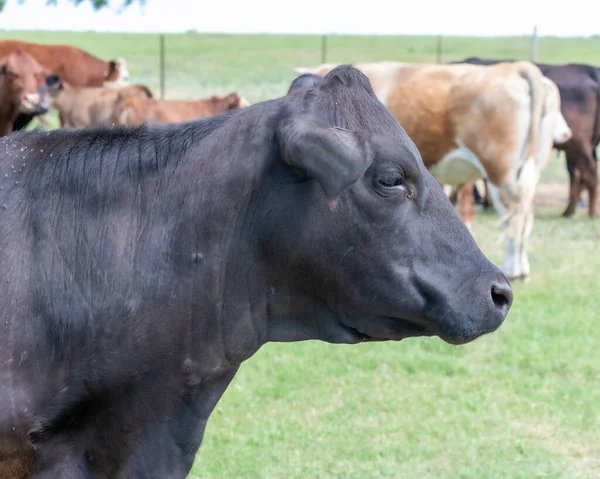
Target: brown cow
(135, 111)
(81, 107)
(75, 66)
(20, 80)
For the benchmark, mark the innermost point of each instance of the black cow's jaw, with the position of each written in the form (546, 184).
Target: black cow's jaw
(404, 329)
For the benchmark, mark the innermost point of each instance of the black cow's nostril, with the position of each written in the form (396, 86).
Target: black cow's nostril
(502, 295)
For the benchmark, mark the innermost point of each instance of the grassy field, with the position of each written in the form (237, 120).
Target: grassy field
(522, 403)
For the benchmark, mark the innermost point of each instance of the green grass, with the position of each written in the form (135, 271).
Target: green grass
(521, 403)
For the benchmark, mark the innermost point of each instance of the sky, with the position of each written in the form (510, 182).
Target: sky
(383, 17)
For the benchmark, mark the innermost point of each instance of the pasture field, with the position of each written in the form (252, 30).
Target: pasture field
(521, 403)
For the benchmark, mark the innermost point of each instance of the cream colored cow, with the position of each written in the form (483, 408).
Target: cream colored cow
(561, 133)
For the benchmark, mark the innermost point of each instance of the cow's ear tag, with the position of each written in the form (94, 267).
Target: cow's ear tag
(333, 156)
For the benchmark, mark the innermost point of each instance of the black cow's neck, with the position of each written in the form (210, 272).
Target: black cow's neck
(223, 280)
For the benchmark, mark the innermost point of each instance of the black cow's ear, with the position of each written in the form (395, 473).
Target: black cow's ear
(307, 80)
(333, 156)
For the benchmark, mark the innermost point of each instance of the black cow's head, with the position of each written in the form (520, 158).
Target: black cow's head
(362, 243)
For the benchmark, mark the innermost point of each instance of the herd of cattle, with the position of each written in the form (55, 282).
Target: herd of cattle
(86, 91)
(476, 122)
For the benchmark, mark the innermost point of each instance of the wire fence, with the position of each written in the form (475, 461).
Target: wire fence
(198, 65)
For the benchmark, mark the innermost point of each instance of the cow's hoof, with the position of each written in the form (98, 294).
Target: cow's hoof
(522, 278)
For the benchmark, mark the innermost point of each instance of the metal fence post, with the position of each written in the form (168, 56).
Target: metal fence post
(162, 67)
(323, 48)
(534, 45)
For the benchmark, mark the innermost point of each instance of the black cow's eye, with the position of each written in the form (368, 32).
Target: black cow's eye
(391, 180)
(393, 183)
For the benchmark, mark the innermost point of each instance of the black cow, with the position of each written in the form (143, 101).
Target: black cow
(142, 265)
(579, 87)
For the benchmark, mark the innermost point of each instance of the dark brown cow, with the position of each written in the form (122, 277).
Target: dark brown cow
(136, 110)
(20, 80)
(75, 66)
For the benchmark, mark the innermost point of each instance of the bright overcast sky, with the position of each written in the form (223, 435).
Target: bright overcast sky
(427, 17)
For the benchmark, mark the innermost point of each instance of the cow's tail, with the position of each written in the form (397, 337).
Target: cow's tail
(533, 75)
(527, 174)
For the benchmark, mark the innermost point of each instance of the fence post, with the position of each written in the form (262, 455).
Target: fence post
(439, 49)
(323, 49)
(534, 45)
(162, 67)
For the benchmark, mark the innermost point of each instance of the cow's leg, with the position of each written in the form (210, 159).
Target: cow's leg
(580, 165)
(528, 218)
(465, 202)
(575, 189)
(479, 193)
(514, 201)
(167, 448)
(89, 437)
(520, 222)
(497, 202)
(593, 208)
(96, 431)
(574, 182)
(477, 198)
(571, 160)
(591, 180)
(486, 197)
